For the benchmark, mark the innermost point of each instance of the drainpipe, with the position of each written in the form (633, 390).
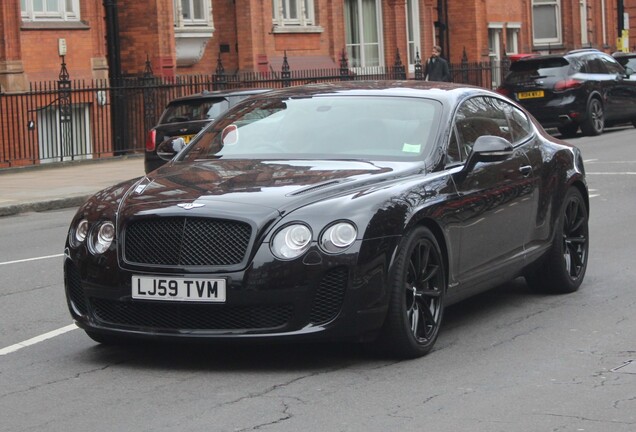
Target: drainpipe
(113, 49)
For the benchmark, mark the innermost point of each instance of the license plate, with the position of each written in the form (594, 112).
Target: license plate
(178, 289)
(187, 138)
(530, 94)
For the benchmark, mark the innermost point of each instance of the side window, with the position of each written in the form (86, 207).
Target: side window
(477, 117)
(612, 66)
(520, 126)
(595, 66)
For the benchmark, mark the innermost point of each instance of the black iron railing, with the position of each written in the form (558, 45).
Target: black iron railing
(70, 119)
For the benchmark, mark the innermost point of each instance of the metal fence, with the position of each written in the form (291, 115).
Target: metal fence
(70, 120)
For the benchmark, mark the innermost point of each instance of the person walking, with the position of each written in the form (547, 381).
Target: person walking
(436, 67)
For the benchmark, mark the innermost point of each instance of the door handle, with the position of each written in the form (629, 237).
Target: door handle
(525, 170)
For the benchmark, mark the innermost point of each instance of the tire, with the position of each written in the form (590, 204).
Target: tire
(565, 263)
(418, 287)
(594, 123)
(634, 123)
(568, 131)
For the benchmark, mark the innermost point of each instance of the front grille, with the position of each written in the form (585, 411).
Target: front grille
(74, 287)
(168, 316)
(186, 241)
(329, 296)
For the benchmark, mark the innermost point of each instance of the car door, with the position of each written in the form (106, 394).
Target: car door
(497, 198)
(621, 92)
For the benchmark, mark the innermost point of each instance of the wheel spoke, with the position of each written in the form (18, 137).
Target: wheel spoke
(575, 254)
(424, 252)
(425, 309)
(414, 318)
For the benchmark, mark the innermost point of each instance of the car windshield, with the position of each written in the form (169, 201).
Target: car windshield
(322, 127)
(525, 70)
(193, 109)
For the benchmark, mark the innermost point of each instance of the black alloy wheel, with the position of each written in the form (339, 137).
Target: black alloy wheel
(594, 124)
(417, 296)
(564, 270)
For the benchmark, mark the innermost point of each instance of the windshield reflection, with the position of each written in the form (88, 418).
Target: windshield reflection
(325, 127)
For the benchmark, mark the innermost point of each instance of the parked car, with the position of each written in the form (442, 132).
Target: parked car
(583, 88)
(186, 116)
(356, 210)
(628, 61)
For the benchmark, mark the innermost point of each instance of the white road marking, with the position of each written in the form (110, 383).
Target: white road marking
(30, 259)
(37, 339)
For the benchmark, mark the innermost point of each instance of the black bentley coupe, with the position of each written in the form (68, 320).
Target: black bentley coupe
(331, 211)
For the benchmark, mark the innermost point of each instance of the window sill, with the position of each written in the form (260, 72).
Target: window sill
(548, 46)
(54, 25)
(277, 29)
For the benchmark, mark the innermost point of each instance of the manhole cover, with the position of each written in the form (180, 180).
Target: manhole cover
(627, 367)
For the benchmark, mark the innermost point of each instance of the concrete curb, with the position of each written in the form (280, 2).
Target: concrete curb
(40, 206)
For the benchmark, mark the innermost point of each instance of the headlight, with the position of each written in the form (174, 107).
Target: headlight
(291, 241)
(338, 237)
(79, 234)
(102, 237)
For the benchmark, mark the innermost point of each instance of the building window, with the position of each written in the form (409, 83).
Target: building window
(546, 22)
(512, 38)
(413, 30)
(293, 12)
(363, 38)
(193, 13)
(50, 10)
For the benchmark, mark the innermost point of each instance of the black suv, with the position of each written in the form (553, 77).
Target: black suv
(186, 116)
(583, 88)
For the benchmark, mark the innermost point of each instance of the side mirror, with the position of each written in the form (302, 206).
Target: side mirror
(489, 148)
(170, 147)
(629, 71)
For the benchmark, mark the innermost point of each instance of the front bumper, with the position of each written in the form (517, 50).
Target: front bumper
(315, 297)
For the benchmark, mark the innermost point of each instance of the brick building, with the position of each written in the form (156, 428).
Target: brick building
(44, 118)
(188, 36)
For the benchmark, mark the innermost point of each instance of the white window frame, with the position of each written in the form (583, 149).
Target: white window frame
(413, 36)
(584, 29)
(53, 10)
(204, 21)
(512, 37)
(281, 13)
(363, 43)
(556, 5)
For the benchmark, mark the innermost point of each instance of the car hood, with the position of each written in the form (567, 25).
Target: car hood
(241, 185)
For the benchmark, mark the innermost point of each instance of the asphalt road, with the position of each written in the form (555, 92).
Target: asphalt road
(507, 360)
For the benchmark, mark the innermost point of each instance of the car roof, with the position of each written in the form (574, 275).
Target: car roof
(572, 53)
(427, 89)
(208, 94)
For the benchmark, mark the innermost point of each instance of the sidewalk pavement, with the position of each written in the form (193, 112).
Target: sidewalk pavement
(57, 186)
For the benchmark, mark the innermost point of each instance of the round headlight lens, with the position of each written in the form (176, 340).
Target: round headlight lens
(104, 237)
(81, 231)
(291, 241)
(338, 237)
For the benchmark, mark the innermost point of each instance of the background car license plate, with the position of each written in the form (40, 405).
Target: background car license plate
(179, 289)
(530, 94)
